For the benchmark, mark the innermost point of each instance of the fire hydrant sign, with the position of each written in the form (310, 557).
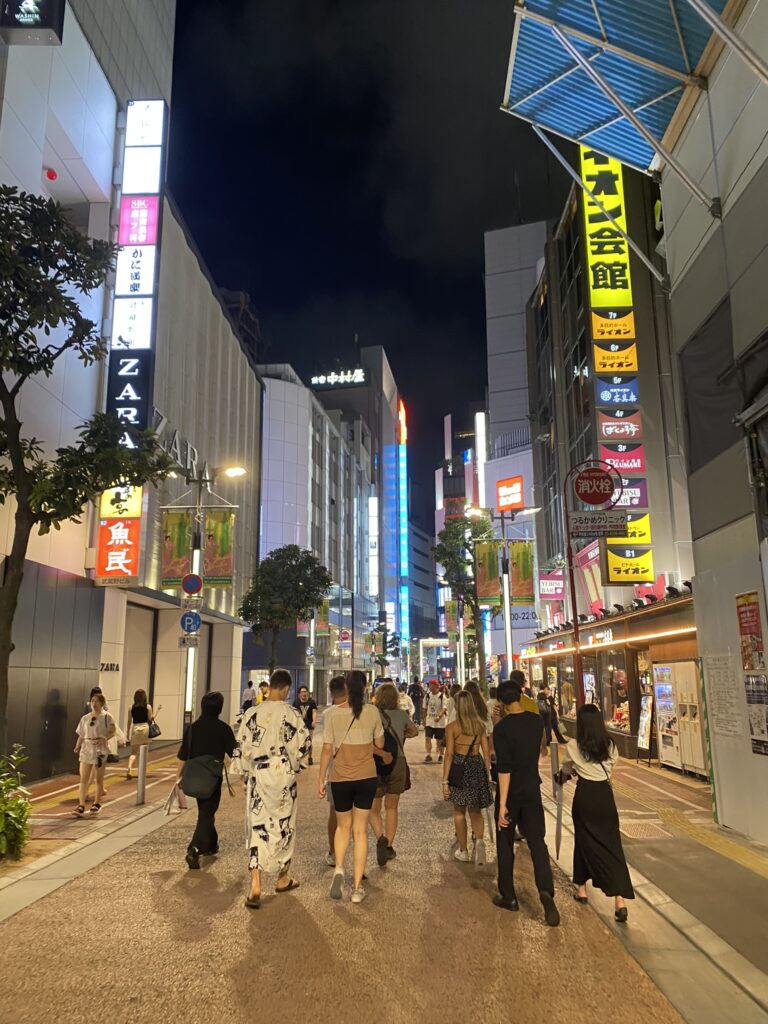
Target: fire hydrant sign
(608, 522)
(594, 486)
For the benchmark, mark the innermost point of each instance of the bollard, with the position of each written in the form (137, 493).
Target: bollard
(141, 780)
(555, 758)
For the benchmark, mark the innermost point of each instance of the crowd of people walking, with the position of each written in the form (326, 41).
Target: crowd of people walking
(489, 751)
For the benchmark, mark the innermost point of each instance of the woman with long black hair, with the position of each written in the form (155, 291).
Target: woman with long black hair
(351, 732)
(597, 854)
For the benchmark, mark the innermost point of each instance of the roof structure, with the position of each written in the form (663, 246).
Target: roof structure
(647, 52)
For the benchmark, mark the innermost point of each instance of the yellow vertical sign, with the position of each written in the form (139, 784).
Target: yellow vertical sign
(610, 281)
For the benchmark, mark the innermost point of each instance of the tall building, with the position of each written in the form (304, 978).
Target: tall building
(85, 121)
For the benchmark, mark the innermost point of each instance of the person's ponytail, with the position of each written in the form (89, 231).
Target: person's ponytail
(356, 692)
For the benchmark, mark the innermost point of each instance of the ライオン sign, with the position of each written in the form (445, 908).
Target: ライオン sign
(610, 280)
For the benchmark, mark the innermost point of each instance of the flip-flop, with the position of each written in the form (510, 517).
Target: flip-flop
(292, 884)
(253, 902)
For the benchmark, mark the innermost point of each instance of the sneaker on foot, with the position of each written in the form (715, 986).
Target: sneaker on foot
(330, 860)
(391, 853)
(551, 913)
(479, 853)
(381, 851)
(428, 759)
(462, 855)
(193, 859)
(358, 895)
(336, 885)
(440, 759)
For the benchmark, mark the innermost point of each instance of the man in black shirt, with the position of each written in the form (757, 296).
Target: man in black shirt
(517, 742)
(307, 708)
(208, 735)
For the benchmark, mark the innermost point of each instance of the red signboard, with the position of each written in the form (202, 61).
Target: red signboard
(509, 494)
(118, 550)
(626, 458)
(594, 486)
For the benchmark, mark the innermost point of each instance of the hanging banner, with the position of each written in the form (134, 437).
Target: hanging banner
(619, 425)
(610, 279)
(638, 531)
(750, 632)
(219, 547)
(177, 547)
(626, 458)
(625, 566)
(521, 585)
(616, 357)
(487, 572)
(451, 618)
(302, 628)
(322, 621)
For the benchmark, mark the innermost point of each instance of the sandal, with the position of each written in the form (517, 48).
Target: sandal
(79, 811)
(292, 884)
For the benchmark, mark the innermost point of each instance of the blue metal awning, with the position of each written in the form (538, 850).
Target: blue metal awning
(647, 51)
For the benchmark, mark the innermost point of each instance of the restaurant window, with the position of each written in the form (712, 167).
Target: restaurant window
(615, 689)
(564, 687)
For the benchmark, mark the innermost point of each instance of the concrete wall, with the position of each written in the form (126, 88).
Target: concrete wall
(286, 476)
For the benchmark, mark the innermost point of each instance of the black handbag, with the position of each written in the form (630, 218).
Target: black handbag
(201, 775)
(391, 746)
(456, 771)
(154, 729)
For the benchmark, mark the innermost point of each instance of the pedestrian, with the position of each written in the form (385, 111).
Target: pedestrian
(450, 706)
(273, 746)
(555, 718)
(94, 730)
(404, 702)
(206, 736)
(545, 711)
(263, 693)
(140, 717)
(307, 708)
(392, 784)
(416, 693)
(517, 742)
(466, 773)
(337, 689)
(249, 696)
(598, 854)
(435, 714)
(351, 731)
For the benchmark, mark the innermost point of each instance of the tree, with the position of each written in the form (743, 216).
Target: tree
(45, 263)
(455, 552)
(288, 585)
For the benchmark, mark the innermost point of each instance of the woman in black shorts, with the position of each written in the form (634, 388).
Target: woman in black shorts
(350, 732)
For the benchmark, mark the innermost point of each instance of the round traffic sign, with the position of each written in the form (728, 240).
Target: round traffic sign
(192, 583)
(344, 635)
(594, 486)
(191, 622)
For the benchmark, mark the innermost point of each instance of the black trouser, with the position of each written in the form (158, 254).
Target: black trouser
(527, 814)
(206, 838)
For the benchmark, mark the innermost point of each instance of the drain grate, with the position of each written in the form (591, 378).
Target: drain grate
(643, 830)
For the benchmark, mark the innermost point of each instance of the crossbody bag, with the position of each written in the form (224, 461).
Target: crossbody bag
(201, 775)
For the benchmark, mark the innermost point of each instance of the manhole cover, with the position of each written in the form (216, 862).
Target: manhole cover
(643, 830)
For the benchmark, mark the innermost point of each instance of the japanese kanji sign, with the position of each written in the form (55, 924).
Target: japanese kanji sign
(626, 566)
(118, 552)
(597, 522)
(638, 530)
(139, 219)
(615, 357)
(610, 281)
(594, 486)
(619, 425)
(617, 390)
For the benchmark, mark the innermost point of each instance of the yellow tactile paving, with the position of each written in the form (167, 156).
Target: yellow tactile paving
(110, 781)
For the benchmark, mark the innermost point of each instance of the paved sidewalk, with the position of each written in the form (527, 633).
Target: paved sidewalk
(426, 946)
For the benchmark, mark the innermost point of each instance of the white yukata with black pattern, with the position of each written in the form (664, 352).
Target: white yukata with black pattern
(273, 746)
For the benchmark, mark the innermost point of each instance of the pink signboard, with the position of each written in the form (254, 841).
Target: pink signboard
(626, 458)
(551, 586)
(634, 495)
(139, 217)
(587, 563)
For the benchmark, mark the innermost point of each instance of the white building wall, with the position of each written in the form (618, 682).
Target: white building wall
(286, 478)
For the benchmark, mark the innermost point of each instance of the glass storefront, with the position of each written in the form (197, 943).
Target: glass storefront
(614, 688)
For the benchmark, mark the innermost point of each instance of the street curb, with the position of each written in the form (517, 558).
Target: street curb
(750, 979)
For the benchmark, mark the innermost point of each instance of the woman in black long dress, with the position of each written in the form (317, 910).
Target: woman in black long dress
(598, 854)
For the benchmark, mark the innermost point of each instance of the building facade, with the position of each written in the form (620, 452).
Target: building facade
(65, 126)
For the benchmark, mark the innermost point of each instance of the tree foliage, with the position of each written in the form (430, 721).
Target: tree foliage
(47, 268)
(288, 585)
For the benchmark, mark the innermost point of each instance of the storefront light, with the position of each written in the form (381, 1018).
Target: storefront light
(663, 634)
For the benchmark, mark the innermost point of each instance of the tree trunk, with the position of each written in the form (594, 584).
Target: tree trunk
(9, 598)
(273, 655)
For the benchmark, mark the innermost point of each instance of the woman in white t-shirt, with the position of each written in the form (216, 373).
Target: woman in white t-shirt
(351, 731)
(94, 731)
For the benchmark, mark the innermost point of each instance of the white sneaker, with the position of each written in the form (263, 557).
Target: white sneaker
(479, 853)
(462, 855)
(330, 860)
(358, 895)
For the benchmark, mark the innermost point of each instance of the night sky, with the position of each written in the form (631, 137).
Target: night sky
(340, 160)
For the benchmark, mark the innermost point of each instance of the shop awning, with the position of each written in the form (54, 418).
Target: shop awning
(649, 53)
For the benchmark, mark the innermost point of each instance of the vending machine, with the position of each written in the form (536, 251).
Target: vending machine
(679, 722)
(668, 736)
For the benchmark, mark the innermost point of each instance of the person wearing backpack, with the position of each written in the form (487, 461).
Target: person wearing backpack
(394, 778)
(211, 739)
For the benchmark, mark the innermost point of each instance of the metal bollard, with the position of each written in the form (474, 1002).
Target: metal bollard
(141, 779)
(555, 759)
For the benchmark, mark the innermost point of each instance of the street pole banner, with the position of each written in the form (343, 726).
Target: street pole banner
(521, 582)
(177, 547)
(487, 572)
(219, 547)
(322, 622)
(451, 618)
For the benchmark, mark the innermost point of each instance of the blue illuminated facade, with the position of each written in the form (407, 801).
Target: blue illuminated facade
(402, 517)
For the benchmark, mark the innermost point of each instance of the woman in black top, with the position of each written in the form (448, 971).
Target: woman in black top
(207, 735)
(139, 719)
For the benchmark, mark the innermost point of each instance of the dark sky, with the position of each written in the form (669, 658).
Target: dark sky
(340, 161)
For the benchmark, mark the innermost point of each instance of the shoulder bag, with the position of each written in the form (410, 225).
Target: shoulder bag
(407, 769)
(154, 729)
(201, 775)
(457, 769)
(391, 745)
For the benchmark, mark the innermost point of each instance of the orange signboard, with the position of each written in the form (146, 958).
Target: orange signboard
(118, 551)
(509, 494)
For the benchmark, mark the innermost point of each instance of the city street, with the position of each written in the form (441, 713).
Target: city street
(426, 941)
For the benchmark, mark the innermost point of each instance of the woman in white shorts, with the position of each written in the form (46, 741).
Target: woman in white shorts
(93, 734)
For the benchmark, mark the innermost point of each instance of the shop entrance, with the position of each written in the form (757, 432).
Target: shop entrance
(138, 660)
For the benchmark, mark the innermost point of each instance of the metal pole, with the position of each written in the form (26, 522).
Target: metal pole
(726, 33)
(311, 679)
(506, 595)
(554, 758)
(712, 204)
(460, 666)
(141, 778)
(660, 277)
(577, 665)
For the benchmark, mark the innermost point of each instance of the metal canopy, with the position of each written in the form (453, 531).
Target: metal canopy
(646, 52)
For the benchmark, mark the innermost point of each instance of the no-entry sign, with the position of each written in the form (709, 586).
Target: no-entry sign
(594, 486)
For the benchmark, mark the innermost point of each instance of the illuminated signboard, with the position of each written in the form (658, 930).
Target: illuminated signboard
(510, 494)
(615, 357)
(551, 586)
(32, 22)
(634, 494)
(118, 552)
(638, 530)
(629, 565)
(135, 271)
(610, 279)
(626, 458)
(619, 425)
(617, 390)
(139, 219)
(402, 501)
(121, 501)
(339, 377)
